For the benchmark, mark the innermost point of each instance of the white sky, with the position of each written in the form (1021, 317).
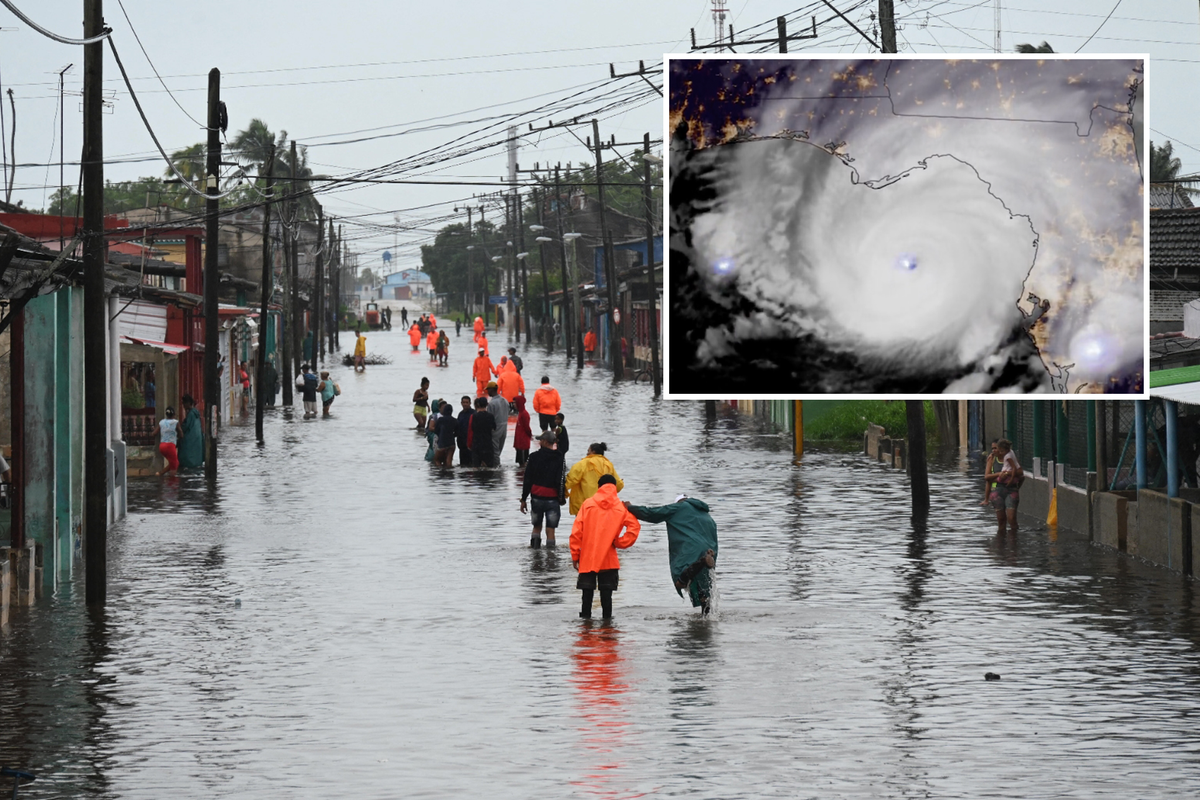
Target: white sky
(320, 69)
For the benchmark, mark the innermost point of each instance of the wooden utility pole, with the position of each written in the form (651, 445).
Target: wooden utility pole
(287, 368)
(319, 288)
(95, 318)
(651, 284)
(331, 319)
(510, 217)
(570, 293)
(614, 327)
(341, 257)
(524, 269)
(294, 246)
(486, 258)
(470, 285)
(547, 317)
(887, 26)
(918, 472)
(264, 317)
(212, 284)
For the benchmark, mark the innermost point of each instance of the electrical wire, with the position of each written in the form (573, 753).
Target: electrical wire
(1102, 24)
(183, 180)
(138, 39)
(51, 34)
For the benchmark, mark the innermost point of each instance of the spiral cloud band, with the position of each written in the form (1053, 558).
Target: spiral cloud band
(906, 226)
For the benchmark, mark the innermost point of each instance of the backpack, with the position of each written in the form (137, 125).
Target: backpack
(337, 390)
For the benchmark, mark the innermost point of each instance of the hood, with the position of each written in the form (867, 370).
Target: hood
(519, 401)
(606, 497)
(546, 386)
(697, 504)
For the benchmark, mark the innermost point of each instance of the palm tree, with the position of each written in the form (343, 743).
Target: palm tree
(255, 145)
(1164, 166)
(1041, 48)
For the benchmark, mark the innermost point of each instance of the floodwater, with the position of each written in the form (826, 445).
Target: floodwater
(396, 637)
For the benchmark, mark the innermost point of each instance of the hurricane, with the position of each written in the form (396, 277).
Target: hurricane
(831, 241)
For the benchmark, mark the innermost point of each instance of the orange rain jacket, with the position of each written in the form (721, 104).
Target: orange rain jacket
(432, 322)
(483, 370)
(478, 326)
(584, 477)
(596, 534)
(510, 384)
(431, 340)
(481, 341)
(414, 335)
(589, 341)
(546, 400)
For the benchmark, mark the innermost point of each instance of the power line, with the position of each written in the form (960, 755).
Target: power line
(51, 34)
(138, 39)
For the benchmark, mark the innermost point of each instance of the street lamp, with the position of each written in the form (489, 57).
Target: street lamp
(571, 237)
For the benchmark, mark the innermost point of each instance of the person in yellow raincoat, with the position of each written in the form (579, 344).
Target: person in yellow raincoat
(583, 478)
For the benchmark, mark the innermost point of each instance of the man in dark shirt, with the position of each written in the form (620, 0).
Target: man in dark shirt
(543, 478)
(482, 426)
(464, 428)
(445, 431)
(561, 437)
(516, 359)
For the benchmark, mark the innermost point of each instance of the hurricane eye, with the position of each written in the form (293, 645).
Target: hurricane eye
(907, 262)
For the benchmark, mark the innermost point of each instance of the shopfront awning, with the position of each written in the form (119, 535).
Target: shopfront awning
(169, 349)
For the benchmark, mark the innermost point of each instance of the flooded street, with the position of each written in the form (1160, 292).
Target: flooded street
(341, 619)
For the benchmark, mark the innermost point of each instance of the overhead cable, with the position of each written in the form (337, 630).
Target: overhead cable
(51, 34)
(184, 181)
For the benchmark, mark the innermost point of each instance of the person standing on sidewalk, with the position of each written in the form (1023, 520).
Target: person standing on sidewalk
(602, 526)
(546, 403)
(543, 476)
(691, 545)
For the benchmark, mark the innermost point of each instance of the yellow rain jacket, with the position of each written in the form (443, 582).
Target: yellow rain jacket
(583, 478)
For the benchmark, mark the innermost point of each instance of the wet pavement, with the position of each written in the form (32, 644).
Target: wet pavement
(396, 636)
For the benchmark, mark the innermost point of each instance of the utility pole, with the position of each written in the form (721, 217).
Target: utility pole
(614, 338)
(511, 261)
(319, 288)
(651, 284)
(331, 320)
(212, 285)
(570, 320)
(95, 420)
(524, 270)
(294, 246)
(887, 26)
(264, 318)
(470, 250)
(917, 470)
(510, 219)
(486, 295)
(546, 316)
(287, 369)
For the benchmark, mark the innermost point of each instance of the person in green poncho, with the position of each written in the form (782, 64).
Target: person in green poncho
(191, 436)
(691, 545)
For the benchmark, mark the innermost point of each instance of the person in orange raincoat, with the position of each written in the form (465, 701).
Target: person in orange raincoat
(589, 343)
(414, 337)
(478, 326)
(546, 403)
(431, 344)
(595, 538)
(482, 371)
(432, 322)
(509, 383)
(482, 343)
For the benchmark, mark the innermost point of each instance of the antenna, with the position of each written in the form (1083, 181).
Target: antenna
(718, 13)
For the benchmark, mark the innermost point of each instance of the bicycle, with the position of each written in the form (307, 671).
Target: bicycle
(18, 776)
(643, 376)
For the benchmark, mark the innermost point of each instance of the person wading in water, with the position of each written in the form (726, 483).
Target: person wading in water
(602, 526)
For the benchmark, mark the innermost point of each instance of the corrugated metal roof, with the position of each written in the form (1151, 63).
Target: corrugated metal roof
(1180, 392)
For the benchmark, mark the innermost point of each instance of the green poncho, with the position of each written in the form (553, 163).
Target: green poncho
(690, 532)
(191, 441)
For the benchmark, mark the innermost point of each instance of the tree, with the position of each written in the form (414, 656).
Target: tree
(1041, 48)
(447, 258)
(1164, 166)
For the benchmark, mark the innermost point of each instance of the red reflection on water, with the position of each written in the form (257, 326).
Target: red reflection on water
(599, 678)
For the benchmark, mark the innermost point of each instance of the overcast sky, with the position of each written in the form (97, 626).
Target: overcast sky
(330, 72)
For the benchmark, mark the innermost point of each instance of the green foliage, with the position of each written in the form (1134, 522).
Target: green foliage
(627, 199)
(446, 259)
(847, 420)
(1164, 165)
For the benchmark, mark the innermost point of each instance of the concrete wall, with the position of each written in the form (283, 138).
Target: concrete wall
(41, 407)
(1110, 518)
(1163, 531)
(1074, 509)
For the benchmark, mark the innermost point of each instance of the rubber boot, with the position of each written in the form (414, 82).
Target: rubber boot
(586, 611)
(535, 542)
(606, 603)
